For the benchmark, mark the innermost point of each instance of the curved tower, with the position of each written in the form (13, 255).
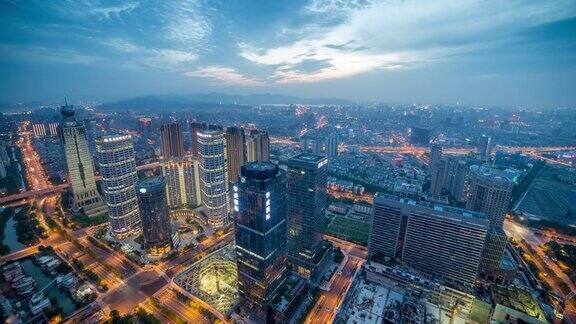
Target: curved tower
(213, 175)
(118, 169)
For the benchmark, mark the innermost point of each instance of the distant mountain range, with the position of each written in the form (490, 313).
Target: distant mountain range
(187, 100)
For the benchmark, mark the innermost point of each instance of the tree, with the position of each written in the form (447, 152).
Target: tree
(338, 255)
(114, 314)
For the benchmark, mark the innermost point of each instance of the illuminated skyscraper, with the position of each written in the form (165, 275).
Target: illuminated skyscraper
(85, 195)
(260, 210)
(194, 128)
(307, 176)
(213, 175)
(118, 169)
(257, 146)
(156, 226)
(172, 140)
(182, 176)
(235, 151)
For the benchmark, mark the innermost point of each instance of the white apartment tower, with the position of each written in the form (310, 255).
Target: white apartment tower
(182, 177)
(119, 177)
(213, 175)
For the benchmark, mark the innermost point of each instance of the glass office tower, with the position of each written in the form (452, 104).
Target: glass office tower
(306, 177)
(154, 214)
(259, 200)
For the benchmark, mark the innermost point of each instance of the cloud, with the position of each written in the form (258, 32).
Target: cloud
(324, 6)
(224, 76)
(401, 34)
(163, 59)
(122, 45)
(186, 24)
(31, 53)
(111, 11)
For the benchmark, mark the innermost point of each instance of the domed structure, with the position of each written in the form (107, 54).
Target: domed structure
(67, 111)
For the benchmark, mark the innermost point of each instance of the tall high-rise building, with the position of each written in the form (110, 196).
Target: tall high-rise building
(118, 170)
(323, 143)
(194, 128)
(456, 175)
(257, 146)
(485, 146)
(213, 175)
(490, 193)
(235, 151)
(306, 176)
(435, 156)
(156, 227)
(172, 140)
(81, 178)
(441, 240)
(182, 176)
(436, 169)
(260, 213)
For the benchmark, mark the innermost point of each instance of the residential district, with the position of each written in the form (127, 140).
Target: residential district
(231, 213)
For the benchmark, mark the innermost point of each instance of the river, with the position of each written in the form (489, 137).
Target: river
(42, 280)
(11, 240)
(10, 237)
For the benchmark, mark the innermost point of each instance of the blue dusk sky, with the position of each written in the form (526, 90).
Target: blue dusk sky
(487, 52)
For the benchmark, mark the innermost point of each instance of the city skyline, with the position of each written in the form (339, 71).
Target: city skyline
(279, 162)
(445, 52)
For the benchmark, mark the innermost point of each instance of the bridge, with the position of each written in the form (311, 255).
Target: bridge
(24, 197)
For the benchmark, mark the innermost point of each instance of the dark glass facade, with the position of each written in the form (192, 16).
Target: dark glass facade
(155, 217)
(259, 202)
(306, 177)
(172, 140)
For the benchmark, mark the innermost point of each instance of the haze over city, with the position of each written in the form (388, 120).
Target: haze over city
(306, 161)
(509, 53)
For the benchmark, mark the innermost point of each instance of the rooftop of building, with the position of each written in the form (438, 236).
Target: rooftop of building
(517, 298)
(151, 182)
(406, 187)
(380, 197)
(259, 170)
(496, 174)
(210, 129)
(287, 292)
(67, 110)
(111, 138)
(307, 158)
